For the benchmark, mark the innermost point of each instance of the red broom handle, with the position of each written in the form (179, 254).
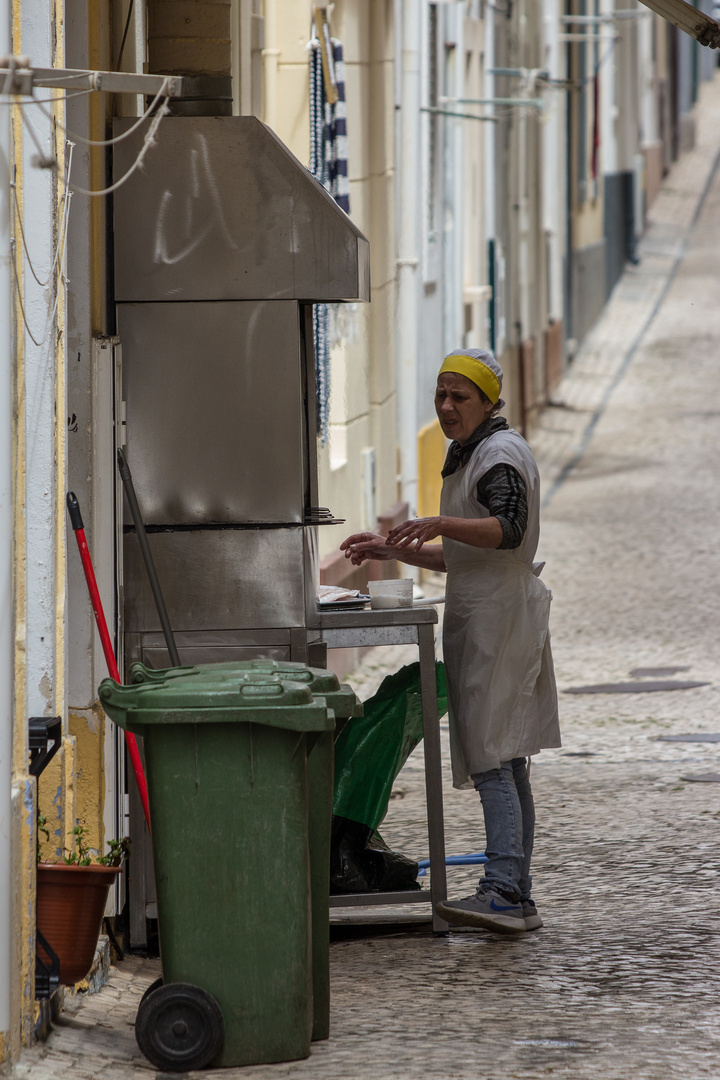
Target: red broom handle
(79, 530)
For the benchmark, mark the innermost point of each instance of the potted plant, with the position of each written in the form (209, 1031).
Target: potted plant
(71, 899)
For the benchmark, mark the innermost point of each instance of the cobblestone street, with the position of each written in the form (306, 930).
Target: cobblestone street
(622, 981)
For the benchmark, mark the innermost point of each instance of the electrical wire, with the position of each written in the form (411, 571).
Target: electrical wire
(42, 284)
(13, 249)
(148, 141)
(52, 100)
(58, 262)
(63, 224)
(44, 161)
(118, 138)
(44, 101)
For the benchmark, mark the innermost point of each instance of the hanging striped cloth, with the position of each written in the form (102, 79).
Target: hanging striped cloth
(329, 165)
(336, 135)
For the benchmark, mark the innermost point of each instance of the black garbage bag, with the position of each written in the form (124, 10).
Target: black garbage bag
(361, 861)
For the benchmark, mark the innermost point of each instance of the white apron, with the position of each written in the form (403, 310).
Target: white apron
(501, 684)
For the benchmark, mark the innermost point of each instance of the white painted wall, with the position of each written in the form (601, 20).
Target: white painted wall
(40, 349)
(6, 548)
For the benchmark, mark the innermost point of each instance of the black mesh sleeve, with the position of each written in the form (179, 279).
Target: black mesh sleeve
(501, 490)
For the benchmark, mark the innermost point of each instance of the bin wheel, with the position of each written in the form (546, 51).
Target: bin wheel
(179, 1027)
(151, 989)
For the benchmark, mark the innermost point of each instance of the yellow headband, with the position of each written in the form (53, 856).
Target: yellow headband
(476, 372)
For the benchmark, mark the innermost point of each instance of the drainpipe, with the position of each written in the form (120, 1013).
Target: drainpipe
(489, 147)
(553, 195)
(454, 185)
(462, 134)
(408, 183)
(610, 115)
(6, 520)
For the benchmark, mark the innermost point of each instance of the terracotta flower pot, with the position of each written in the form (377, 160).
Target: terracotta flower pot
(70, 907)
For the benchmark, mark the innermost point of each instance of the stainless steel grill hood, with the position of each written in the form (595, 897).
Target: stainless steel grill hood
(223, 241)
(222, 244)
(223, 211)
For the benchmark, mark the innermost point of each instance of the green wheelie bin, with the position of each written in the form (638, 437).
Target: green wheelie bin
(227, 770)
(345, 705)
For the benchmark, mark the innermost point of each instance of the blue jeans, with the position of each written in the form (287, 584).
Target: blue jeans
(509, 813)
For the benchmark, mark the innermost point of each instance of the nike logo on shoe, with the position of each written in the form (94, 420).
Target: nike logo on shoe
(494, 906)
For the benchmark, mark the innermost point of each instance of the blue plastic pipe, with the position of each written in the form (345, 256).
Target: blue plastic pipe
(454, 860)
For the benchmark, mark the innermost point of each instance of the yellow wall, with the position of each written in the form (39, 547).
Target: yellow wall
(23, 904)
(88, 728)
(588, 221)
(432, 447)
(57, 802)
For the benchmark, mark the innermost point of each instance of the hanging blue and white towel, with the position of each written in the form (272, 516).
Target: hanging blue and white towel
(336, 135)
(329, 165)
(328, 126)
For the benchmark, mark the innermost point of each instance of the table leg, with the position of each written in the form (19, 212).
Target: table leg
(433, 772)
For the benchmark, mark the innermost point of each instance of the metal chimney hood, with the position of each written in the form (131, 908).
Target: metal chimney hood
(223, 242)
(223, 211)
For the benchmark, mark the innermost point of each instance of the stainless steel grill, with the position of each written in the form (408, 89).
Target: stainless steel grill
(222, 244)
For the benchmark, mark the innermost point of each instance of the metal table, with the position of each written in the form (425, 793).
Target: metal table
(401, 626)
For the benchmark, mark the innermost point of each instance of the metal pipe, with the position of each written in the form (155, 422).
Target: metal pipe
(6, 552)
(458, 115)
(588, 38)
(519, 73)
(454, 203)
(127, 480)
(606, 17)
(614, 110)
(489, 176)
(553, 192)
(537, 103)
(409, 244)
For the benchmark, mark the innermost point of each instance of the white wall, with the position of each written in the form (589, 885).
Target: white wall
(6, 552)
(45, 420)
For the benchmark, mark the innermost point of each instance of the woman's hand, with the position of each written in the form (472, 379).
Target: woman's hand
(366, 545)
(416, 533)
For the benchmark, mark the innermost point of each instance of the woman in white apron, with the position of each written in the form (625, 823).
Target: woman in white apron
(501, 685)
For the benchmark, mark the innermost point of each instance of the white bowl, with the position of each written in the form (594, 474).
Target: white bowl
(396, 593)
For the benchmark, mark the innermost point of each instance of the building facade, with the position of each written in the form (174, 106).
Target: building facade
(501, 157)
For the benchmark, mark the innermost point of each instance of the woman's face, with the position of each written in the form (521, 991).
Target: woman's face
(459, 406)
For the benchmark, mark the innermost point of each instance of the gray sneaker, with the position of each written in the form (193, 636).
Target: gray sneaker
(530, 914)
(486, 908)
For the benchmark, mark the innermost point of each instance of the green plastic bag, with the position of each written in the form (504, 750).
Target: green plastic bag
(371, 749)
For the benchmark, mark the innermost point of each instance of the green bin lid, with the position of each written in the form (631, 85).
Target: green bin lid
(321, 682)
(250, 698)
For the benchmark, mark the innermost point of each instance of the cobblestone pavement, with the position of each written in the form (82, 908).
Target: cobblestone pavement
(623, 978)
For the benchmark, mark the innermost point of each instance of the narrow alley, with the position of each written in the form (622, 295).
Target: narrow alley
(622, 981)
